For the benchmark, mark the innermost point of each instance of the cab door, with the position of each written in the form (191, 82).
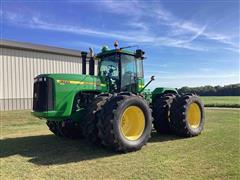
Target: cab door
(128, 73)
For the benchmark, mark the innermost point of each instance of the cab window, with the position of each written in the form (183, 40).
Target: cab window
(139, 68)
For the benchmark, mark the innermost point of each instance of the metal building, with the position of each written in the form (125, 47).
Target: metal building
(21, 62)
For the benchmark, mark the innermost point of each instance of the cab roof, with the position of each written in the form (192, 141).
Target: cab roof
(113, 51)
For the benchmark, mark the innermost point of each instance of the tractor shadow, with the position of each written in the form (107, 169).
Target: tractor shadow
(155, 137)
(52, 150)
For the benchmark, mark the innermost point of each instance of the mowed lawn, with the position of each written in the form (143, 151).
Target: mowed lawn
(30, 151)
(221, 101)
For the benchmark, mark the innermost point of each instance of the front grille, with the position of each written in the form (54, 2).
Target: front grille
(43, 94)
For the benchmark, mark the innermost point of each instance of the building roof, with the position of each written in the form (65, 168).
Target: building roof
(39, 48)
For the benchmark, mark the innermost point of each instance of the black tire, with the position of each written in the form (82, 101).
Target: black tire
(110, 118)
(179, 115)
(70, 129)
(54, 128)
(89, 123)
(65, 128)
(161, 113)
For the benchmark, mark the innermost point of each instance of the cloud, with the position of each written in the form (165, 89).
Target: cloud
(182, 34)
(130, 8)
(180, 28)
(237, 50)
(156, 65)
(198, 32)
(157, 72)
(130, 36)
(37, 23)
(206, 69)
(83, 45)
(138, 25)
(220, 38)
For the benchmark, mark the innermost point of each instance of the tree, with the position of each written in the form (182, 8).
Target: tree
(227, 90)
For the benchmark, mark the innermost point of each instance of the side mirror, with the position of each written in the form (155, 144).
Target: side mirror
(152, 78)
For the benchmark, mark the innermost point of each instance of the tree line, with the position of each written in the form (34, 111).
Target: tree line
(227, 90)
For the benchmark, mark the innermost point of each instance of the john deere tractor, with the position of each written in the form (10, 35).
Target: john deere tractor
(114, 109)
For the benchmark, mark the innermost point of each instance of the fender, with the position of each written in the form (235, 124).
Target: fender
(163, 90)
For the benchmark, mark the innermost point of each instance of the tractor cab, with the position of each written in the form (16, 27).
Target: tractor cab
(122, 69)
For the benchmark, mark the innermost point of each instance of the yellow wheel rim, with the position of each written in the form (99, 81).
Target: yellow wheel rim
(194, 115)
(132, 123)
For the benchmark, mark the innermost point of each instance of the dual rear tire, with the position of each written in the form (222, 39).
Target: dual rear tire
(181, 115)
(161, 113)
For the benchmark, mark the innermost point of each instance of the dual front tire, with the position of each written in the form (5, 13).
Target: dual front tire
(125, 123)
(121, 122)
(67, 129)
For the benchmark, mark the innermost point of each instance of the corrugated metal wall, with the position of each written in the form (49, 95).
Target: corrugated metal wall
(19, 67)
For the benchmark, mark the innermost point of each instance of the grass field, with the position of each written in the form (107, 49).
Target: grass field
(30, 151)
(221, 101)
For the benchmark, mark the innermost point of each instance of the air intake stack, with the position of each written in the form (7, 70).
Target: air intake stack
(84, 58)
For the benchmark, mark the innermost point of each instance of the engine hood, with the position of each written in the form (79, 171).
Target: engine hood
(83, 82)
(66, 86)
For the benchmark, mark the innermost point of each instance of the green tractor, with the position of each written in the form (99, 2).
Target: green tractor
(114, 109)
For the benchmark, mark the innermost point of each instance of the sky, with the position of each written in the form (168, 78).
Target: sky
(186, 43)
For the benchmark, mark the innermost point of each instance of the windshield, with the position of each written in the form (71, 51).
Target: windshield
(109, 66)
(124, 79)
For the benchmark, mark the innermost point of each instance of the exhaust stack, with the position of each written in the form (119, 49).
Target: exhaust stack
(84, 57)
(91, 62)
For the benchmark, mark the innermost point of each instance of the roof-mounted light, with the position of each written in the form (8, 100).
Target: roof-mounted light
(116, 44)
(139, 54)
